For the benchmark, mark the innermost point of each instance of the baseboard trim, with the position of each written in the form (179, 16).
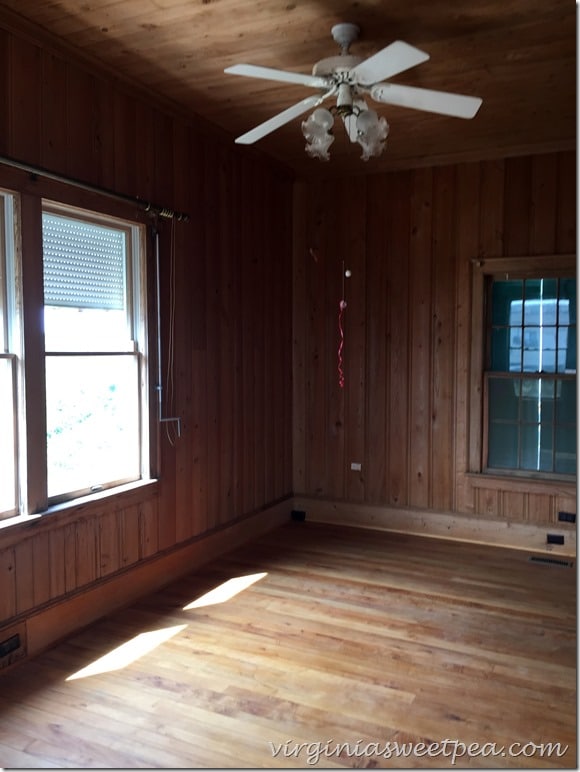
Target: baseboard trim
(442, 525)
(53, 623)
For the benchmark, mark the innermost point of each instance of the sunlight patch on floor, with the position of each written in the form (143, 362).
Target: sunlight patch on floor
(128, 652)
(225, 591)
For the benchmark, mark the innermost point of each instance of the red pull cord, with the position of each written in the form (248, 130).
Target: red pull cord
(341, 306)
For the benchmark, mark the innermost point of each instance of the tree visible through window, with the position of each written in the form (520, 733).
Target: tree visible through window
(530, 377)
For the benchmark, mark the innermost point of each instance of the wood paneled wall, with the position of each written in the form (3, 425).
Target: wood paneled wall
(233, 314)
(404, 413)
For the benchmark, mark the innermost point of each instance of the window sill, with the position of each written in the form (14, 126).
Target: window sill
(85, 506)
(493, 481)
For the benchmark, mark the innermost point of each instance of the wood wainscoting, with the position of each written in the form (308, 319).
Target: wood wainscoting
(531, 537)
(55, 620)
(342, 641)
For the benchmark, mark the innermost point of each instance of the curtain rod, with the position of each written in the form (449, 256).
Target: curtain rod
(147, 206)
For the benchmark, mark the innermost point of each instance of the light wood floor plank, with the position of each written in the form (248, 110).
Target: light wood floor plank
(352, 637)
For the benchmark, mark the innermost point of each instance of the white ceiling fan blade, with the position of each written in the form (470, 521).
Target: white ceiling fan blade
(442, 102)
(269, 73)
(279, 120)
(395, 58)
(350, 120)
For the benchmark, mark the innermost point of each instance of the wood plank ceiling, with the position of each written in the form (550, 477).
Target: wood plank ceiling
(519, 56)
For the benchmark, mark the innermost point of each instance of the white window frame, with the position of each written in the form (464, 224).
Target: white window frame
(11, 311)
(136, 300)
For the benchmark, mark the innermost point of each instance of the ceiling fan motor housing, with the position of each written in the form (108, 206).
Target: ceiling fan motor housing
(335, 65)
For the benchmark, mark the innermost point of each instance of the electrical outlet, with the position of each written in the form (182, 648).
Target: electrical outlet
(566, 517)
(355, 466)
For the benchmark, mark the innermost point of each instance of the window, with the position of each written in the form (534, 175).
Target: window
(84, 424)
(530, 378)
(93, 327)
(9, 350)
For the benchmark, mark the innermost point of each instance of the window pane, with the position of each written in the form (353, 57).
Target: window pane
(503, 445)
(568, 291)
(567, 349)
(92, 421)
(506, 302)
(565, 462)
(566, 402)
(537, 447)
(7, 439)
(84, 263)
(85, 285)
(503, 351)
(538, 402)
(504, 399)
(85, 329)
(531, 338)
(535, 333)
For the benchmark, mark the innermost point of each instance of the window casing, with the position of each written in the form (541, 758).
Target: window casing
(529, 376)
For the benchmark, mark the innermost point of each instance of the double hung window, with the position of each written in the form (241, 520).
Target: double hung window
(92, 374)
(530, 375)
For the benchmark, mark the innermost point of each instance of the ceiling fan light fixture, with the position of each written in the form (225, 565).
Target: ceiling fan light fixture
(372, 133)
(316, 130)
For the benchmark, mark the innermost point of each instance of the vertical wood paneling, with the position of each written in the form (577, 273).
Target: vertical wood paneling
(316, 341)
(55, 139)
(517, 206)
(57, 567)
(8, 584)
(5, 94)
(514, 505)
(258, 337)
(86, 552)
(148, 528)
(353, 237)
(491, 213)
(185, 526)
(213, 342)
(25, 68)
(442, 472)
(248, 289)
(225, 314)
(543, 205)
(380, 337)
(567, 204)
(335, 403)
(109, 543)
(397, 222)
(105, 135)
(420, 338)
(466, 240)
(129, 535)
(41, 568)
(24, 576)
(80, 127)
(423, 346)
(300, 259)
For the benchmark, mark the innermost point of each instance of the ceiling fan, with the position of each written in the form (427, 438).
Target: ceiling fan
(350, 79)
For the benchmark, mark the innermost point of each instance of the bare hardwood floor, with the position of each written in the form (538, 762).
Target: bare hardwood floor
(315, 645)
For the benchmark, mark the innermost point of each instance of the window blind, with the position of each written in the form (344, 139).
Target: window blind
(84, 264)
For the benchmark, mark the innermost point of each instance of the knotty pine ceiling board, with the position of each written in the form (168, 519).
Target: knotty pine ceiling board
(519, 56)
